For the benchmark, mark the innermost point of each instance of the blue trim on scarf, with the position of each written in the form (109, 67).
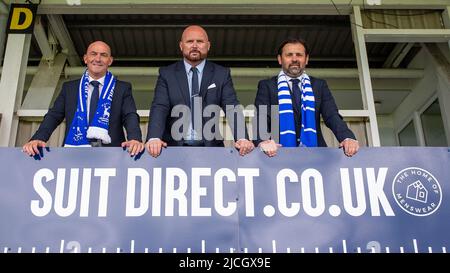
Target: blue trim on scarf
(78, 131)
(308, 135)
(286, 113)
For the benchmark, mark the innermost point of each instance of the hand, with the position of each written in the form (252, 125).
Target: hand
(244, 146)
(134, 147)
(269, 147)
(154, 146)
(31, 148)
(350, 146)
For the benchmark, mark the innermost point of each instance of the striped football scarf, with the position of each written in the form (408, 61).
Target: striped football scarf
(308, 133)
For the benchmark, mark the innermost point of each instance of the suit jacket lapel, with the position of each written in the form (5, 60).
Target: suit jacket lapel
(180, 74)
(317, 97)
(71, 103)
(274, 93)
(208, 73)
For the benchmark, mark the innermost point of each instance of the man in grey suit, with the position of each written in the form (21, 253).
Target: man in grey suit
(179, 84)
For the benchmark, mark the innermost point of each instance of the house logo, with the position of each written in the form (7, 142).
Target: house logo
(417, 191)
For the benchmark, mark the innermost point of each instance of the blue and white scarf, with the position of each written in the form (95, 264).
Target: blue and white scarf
(308, 133)
(80, 130)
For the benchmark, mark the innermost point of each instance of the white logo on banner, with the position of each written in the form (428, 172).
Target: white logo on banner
(417, 191)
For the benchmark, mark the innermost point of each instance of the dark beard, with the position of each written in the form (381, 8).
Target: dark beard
(291, 73)
(198, 58)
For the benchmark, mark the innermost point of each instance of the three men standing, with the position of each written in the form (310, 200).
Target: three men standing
(98, 106)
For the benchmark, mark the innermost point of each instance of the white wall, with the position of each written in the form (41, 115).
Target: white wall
(420, 94)
(386, 130)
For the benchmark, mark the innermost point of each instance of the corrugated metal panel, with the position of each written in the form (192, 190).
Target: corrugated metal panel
(233, 36)
(237, 40)
(409, 19)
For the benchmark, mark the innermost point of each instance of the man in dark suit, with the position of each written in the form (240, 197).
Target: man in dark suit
(85, 102)
(185, 83)
(291, 88)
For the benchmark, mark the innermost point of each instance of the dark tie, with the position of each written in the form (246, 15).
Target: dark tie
(296, 91)
(194, 91)
(94, 100)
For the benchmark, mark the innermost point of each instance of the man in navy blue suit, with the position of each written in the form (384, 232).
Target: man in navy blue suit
(184, 83)
(96, 108)
(301, 100)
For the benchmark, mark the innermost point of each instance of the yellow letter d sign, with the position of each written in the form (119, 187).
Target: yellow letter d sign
(21, 18)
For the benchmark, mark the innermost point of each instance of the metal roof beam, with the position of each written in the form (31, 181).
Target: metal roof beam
(3, 21)
(44, 84)
(239, 59)
(337, 73)
(397, 55)
(407, 35)
(268, 72)
(325, 7)
(4, 9)
(402, 55)
(328, 25)
(446, 20)
(48, 53)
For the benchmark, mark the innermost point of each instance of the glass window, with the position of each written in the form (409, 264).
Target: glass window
(433, 126)
(407, 136)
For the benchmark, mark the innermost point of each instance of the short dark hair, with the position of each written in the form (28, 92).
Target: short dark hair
(293, 41)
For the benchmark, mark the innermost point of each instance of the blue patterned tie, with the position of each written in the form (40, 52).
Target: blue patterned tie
(94, 100)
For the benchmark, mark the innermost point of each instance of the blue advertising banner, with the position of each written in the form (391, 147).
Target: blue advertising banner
(195, 200)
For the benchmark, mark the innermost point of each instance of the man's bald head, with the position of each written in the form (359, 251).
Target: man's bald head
(196, 29)
(101, 44)
(98, 58)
